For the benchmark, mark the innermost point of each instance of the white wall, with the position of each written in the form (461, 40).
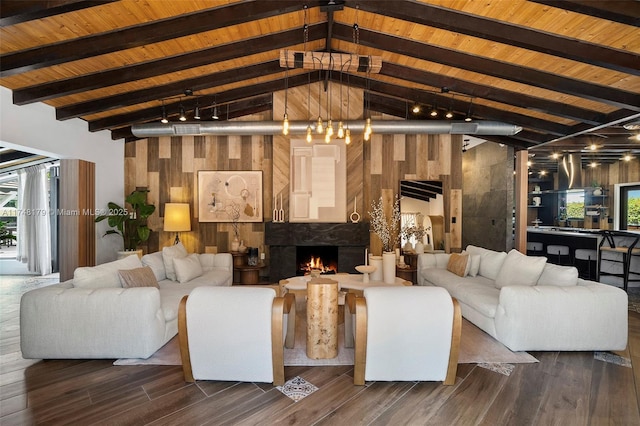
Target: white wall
(34, 128)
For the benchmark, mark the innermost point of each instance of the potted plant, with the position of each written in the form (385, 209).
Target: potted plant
(130, 224)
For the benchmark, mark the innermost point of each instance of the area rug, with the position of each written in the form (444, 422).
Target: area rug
(476, 347)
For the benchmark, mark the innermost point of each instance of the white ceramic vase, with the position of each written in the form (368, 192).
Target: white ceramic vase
(389, 267)
(235, 245)
(419, 249)
(377, 262)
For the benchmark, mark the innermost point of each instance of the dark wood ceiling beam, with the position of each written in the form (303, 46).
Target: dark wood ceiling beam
(170, 90)
(529, 76)
(16, 11)
(492, 93)
(41, 92)
(479, 111)
(236, 109)
(625, 12)
(140, 35)
(506, 33)
(150, 114)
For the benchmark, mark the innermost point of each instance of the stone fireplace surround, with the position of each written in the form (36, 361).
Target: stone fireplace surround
(282, 238)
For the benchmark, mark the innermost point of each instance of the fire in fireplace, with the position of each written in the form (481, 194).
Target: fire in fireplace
(322, 258)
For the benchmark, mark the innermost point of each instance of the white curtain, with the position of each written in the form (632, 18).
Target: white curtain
(34, 229)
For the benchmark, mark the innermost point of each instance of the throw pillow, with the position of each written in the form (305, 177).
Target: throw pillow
(105, 275)
(458, 264)
(557, 275)
(474, 260)
(187, 268)
(168, 254)
(519, 269)
(139, 277)
(490, 261)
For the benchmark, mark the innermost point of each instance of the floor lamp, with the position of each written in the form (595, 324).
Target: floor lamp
(177, 218)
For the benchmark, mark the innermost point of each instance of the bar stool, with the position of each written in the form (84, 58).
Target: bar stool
(534, 249)
(586, 255)
(559, 251)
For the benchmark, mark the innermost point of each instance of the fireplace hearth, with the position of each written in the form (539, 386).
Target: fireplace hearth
(320, 258)
(349, 240)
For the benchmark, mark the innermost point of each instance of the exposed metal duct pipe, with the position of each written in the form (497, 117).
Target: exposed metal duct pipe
(410, 127)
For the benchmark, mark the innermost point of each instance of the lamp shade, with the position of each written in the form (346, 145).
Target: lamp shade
(177, 217)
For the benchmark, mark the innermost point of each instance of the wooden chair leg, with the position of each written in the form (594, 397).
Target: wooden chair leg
(360, 356)
(454, 353)
(184, 341)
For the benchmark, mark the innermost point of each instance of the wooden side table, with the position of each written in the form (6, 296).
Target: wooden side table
(248, 274)
(409, 274)
(239, 259)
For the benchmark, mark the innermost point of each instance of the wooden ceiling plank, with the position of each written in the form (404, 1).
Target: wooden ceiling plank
(489, 92)
(170, 90)
(506, 33)
(139, 35)
(16, 11)
(557, 83)
(624, 12)
(154, 68)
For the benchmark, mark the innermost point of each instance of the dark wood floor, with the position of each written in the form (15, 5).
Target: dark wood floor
(564, 388)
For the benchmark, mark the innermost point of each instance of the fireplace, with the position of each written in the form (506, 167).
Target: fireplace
(284, 239)
(321, 258)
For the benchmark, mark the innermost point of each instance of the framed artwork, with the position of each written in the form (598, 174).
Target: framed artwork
(228, 196)
(318, 177)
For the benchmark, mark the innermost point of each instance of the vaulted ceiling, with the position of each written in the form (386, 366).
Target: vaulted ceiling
(567, 72)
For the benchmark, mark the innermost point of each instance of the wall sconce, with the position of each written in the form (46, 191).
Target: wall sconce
(177, 218)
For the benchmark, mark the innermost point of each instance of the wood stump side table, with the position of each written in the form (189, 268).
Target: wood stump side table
(322, 318)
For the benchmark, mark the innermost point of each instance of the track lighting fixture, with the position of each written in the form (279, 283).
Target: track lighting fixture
(164, 118)
(182, 116)
(196, 112)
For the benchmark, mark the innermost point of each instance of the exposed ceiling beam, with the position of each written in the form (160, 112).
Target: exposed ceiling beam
(169, 90)
(16, 11)
(529, 76)
(625, 12)
(510, 34)
(140, 35)
(162, 66)
(14, 155)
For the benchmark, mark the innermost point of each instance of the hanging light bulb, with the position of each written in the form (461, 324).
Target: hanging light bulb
(347, 137)
(340, 130)
(309, 134)
(327, 138)
(285, 125)
(449, 114)
(329, 128)
(367, 129)
(182, 117)
(434, 111)
(319, 126)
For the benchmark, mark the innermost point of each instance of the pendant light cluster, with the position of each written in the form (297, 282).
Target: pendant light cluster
(328, 62)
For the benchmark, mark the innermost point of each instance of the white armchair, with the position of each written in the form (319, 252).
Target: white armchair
(404, 333)
(235, 334)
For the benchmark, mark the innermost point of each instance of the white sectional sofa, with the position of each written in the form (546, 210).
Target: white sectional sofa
(529, 304)
(100, 314)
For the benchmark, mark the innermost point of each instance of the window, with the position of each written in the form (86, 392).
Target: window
(575, 204)
(630, 207)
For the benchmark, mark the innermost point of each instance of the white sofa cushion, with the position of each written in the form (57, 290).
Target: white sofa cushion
(170, 253)
(156, 263)
(474, 267)
(187, 268)
(490, 260)
(557, 275)
(519, 269)
(105, 275)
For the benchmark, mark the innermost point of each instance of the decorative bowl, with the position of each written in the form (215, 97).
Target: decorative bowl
(366, 269)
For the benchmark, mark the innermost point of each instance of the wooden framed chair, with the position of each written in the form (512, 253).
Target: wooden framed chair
(404, 334)
(235, 334)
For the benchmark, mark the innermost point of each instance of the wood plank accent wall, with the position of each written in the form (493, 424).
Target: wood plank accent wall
(168, 166)
(77, 195)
